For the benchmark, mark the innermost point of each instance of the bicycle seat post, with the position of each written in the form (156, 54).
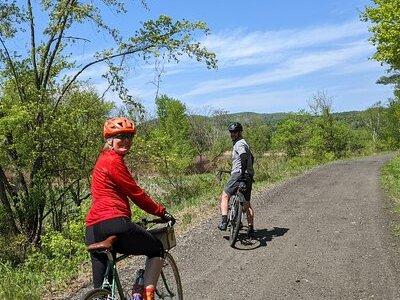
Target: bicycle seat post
(109, 255)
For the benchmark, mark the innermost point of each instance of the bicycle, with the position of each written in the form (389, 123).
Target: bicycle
(235, 210)
(169, 284)
(235, 213)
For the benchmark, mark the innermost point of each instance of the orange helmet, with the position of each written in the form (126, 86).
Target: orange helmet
(118, 125)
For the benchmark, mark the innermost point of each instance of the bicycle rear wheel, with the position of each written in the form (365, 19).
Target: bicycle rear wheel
(235, 217)
(169, 284)
(98, 294)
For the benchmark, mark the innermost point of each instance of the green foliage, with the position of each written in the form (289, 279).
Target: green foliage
(49, 123)
(173, 153)
(258, 135)
(55, 156)
(390, 178)
(272, 168)
(168, 145)
(291, 134)
(50, 267)
(385, 28)
(19, 284)
(391, 129)
(328, 138)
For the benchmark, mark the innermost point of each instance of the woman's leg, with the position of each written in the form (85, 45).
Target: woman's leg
(151, 275)
(99, 260)
(138, 241)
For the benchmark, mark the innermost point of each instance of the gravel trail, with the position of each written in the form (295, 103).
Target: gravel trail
(322, 235)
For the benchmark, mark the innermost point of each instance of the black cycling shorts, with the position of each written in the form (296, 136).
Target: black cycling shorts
(132, 239)
(233, 183)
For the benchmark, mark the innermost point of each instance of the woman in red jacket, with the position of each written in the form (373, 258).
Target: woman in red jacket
(110, 213)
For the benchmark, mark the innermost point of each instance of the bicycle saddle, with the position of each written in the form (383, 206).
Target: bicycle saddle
(103, 245)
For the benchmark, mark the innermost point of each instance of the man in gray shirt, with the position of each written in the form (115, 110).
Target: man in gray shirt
(242, 171)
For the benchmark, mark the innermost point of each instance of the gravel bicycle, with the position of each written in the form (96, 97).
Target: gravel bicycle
(235, 210)
(169, 284)
(235, 213)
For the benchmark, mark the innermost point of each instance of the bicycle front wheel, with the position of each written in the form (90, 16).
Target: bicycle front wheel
(235, 219)
(98, 294)
(169, 284)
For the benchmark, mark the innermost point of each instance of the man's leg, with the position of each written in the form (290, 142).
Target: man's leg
(224, 211)
(250, 214)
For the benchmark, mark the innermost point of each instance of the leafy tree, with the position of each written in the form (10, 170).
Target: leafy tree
(327, 135)
(291, 134)
(70, 140)
(391, 131)
(40, 80)
(258, 135)
(374, 121)
(170, 147)
(385, 28)
(329, 140)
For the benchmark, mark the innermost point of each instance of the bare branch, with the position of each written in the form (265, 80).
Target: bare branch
(56, 47)
(159, 67)
(67, 86)
(48, 46)
(33, 44)
(73, 38)
(21, 92)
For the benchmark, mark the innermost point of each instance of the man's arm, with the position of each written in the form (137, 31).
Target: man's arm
(243, 164)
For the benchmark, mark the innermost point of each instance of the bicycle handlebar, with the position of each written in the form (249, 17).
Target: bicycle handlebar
(144, 222)
(220, 172)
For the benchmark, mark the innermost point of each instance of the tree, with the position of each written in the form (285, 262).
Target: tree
(391, 132)
(258, 134)
(36, 91)
(170, 147)
(373, 119)
(385, 29)
(327, 135)
(291, 134)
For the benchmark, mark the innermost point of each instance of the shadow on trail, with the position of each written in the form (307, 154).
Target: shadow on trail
(260, 239)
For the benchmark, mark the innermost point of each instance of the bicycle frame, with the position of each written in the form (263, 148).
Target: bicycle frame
(115, 285)
(111, 281)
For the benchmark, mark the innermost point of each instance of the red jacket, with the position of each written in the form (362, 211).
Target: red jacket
(112, 185)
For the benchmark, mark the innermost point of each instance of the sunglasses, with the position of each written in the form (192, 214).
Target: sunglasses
(123, 136)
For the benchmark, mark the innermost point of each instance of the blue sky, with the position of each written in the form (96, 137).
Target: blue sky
(273, 56)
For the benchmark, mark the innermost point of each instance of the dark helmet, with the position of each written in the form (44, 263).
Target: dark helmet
(235, 127)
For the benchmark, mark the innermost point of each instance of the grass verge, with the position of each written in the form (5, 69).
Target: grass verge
(390, 178)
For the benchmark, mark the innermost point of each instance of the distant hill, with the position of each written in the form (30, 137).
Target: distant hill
(354, 118)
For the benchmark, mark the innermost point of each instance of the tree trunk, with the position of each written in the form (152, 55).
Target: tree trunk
(6, 204)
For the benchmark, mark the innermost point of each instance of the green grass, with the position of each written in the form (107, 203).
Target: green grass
(390, 179)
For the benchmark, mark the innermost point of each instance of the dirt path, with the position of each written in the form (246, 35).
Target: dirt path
(323, 235)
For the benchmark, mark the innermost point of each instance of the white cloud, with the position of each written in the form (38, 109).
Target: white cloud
(244, 48)
(296, 66)
(272, 101)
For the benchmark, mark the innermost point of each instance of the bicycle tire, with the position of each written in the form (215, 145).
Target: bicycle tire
(236, 218)
(97, 294)
(169, 284)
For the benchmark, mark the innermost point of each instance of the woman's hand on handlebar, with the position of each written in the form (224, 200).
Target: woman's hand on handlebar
(167, 217)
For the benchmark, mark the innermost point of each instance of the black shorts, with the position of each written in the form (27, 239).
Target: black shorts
(233, 183)
(132, 239)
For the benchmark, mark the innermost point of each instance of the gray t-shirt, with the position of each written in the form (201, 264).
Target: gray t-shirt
(239, 148)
